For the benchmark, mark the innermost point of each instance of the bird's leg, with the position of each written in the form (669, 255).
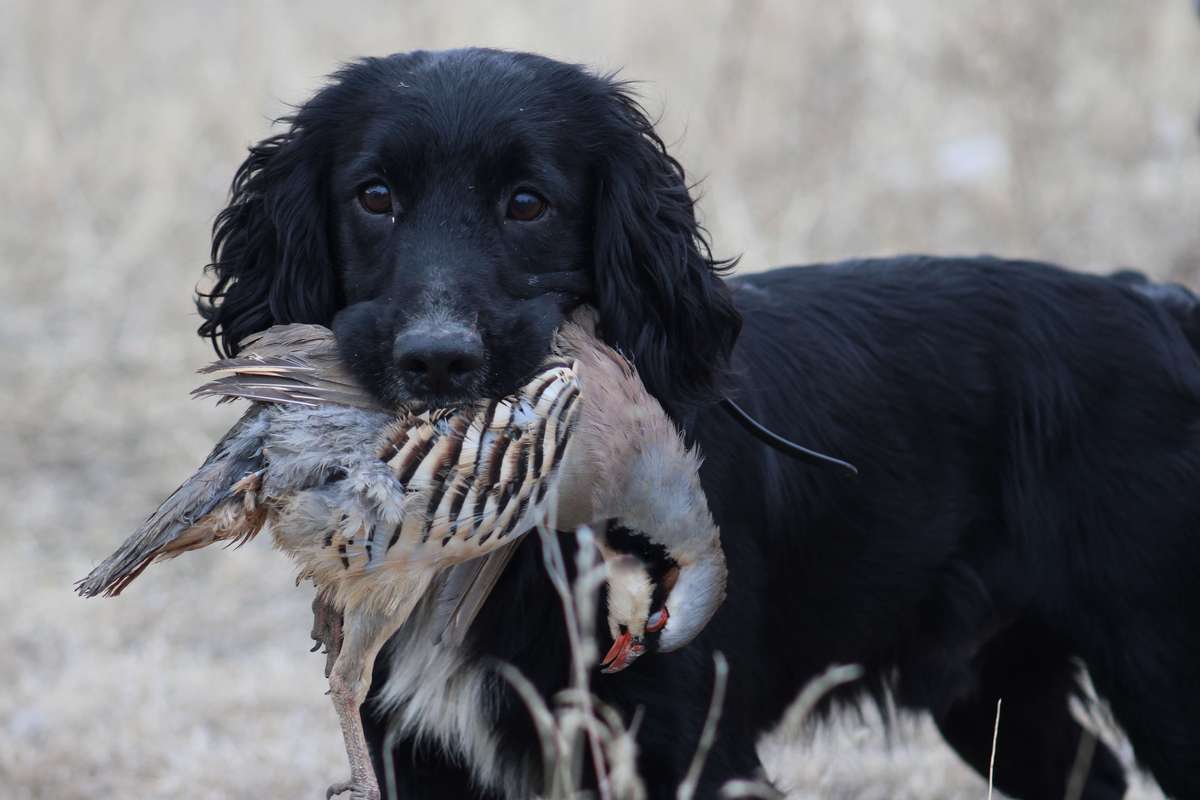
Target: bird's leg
(364, 634)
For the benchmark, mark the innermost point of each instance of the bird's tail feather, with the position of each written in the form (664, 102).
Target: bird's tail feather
(217, 504)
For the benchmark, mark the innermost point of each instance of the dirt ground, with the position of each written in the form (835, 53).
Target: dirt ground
(1053, 129)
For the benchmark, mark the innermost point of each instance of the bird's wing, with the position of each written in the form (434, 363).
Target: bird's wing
(477, 579)
(215, 504)
(296, 364)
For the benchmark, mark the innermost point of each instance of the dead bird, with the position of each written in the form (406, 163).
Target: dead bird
(671, 579)
(373, 504)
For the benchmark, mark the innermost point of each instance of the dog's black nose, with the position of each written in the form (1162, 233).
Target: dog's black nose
(438, 358)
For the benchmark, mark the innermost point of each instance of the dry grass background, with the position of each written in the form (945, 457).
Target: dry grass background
(1063, 130)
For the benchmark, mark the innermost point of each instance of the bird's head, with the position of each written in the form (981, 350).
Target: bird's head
(655, 602)
(628, 463)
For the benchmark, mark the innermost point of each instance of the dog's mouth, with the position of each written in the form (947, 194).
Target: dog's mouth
(407, 403)
(401, 396)
(398, 390)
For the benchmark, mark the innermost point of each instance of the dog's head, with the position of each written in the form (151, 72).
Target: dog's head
(443, 212)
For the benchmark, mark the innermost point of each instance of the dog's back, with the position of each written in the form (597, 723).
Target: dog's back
(1179, 301)
(1028, 440)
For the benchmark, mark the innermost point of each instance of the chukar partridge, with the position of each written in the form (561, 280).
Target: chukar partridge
(372, 504)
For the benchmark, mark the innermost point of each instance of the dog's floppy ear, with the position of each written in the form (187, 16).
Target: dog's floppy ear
(270, 248)
(657, 287)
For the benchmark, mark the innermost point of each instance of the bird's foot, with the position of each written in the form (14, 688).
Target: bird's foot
(359, 789)
(347, 689)
(326, 631)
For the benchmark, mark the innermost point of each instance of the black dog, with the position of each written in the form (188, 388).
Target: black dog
(1028, 438)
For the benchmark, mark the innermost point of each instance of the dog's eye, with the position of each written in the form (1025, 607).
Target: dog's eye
(525, 206)
(375, 198)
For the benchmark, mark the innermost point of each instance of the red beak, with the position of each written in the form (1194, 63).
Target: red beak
(624, 651)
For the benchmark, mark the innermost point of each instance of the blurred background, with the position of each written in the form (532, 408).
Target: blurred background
(1043, 128)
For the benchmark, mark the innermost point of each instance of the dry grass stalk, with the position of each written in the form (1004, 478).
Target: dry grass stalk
(796, 717)
(793, 724)
(720, 678)
(1082, 765)
(578, 717)
(579, 726)
(992, 758)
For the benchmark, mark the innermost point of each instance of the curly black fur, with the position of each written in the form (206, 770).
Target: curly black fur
(452, 133)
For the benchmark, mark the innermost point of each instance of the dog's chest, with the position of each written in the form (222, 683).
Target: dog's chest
(439, 694)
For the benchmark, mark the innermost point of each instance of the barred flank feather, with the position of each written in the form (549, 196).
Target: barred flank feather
(373, 505)
(464, 480)
(501, 454)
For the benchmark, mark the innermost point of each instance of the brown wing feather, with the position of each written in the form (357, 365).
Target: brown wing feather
(215, 504)
(287, 364)
(485, 573)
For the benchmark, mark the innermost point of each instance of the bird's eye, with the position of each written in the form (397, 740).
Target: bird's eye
(375, 198)
(525, 206)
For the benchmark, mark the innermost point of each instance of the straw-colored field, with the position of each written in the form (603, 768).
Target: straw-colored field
(1063, 130)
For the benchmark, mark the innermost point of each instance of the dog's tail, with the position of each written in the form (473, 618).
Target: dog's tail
(1179, 301)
